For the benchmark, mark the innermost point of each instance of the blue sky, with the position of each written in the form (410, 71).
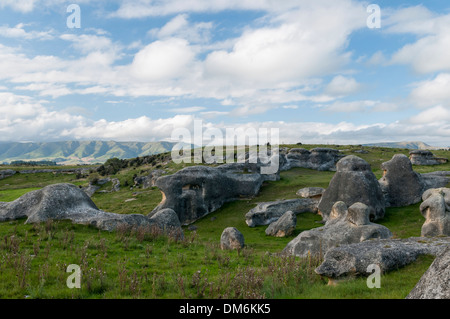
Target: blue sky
(137, 70)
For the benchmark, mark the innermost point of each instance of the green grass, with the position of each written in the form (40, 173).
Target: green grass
(34, 258)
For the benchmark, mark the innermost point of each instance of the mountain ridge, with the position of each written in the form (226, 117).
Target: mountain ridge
(79, 152)
(412, 145)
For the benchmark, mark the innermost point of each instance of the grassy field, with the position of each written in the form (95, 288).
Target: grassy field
(130, 264)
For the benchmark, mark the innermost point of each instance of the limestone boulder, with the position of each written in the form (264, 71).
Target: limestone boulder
(344, 226)
(435, 283)
(353, 182)
(268, 212)
(389, 254)
(436, 210)
(69, 202)
(6, 173)
(401, 186)
(423, 157)
(149, 180)
(311, 192)
(231, 238)
(322, 159)
(196, 191)
(284, 226)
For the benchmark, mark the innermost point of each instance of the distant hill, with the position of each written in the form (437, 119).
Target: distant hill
(79, 152)
(408, 145)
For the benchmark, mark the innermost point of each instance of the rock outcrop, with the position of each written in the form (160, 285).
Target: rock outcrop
(311, 192)
(353, 182)
(436, 210)
(435, 283)
(401, 186)
(268, 212)
(196, 191)
(7, 173)
(344, 226)
(322, 159)
(231, 238)
(421, 157)
(388, 254)
(149, 180)
(284, 226)
(69, 202)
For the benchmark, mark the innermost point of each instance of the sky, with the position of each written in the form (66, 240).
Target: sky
(319, 71)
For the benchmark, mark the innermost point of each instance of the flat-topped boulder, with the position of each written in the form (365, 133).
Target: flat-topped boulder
(196, 191)
(436, 210)
(388, 254)
(6, 173)
(322, 159)
(231, 238)
(345, 226)
(266, 213)
(434, 284)
(311, 192)
(423, 157)
(401, 186)
(69, 202)
(353, 182)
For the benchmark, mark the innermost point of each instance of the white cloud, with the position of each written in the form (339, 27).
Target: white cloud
(19, 5)
(191, 109)
(432, 92)
(341, 86)
(180, 27)
(364, 106)
(163, 60)
(18, 31)
(435, 115)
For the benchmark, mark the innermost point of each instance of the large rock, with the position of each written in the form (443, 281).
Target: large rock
(436, 210)
(422, 157)
(345, 226)
(322, 159)
(196, 191)
(435, 283)
(268, 212)
(150, 179)
(435, 179)
(6, 173)
(353, 182)
(231, 238)
(69, 202)
(401, 186)
(284, 226)
(388, 254)
(311, 192)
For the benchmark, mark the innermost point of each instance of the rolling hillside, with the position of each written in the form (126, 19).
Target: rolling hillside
(79, 152)
(414, 145)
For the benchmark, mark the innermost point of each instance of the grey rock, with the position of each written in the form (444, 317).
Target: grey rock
(436, 210)
(345, 226)
(115, 185)
(435, 179)
(353, 182)
(149, 180)
(69, 202)
(196, 191)
(435, 283)
(268, 212)
(284, 226)
(311, 192)
(388, 254)
(322, 159)
(7, 173)
(401, 186)
(422, 157)
(231, 238)
(91, 189)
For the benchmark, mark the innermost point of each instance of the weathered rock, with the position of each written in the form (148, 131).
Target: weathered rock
(150, 179)
(284, 226)
(7, 173)
(268, 212)
(345, 226)
(231, 238)
(435, 283)
(353, 182)
(421, 157)
(196, 191)
(115, 185)
(388, 254)
(435, 179)
(322, 159)
(69, 202)
(401, 186)
(311, 192)
(436, 210)
(91, 189)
